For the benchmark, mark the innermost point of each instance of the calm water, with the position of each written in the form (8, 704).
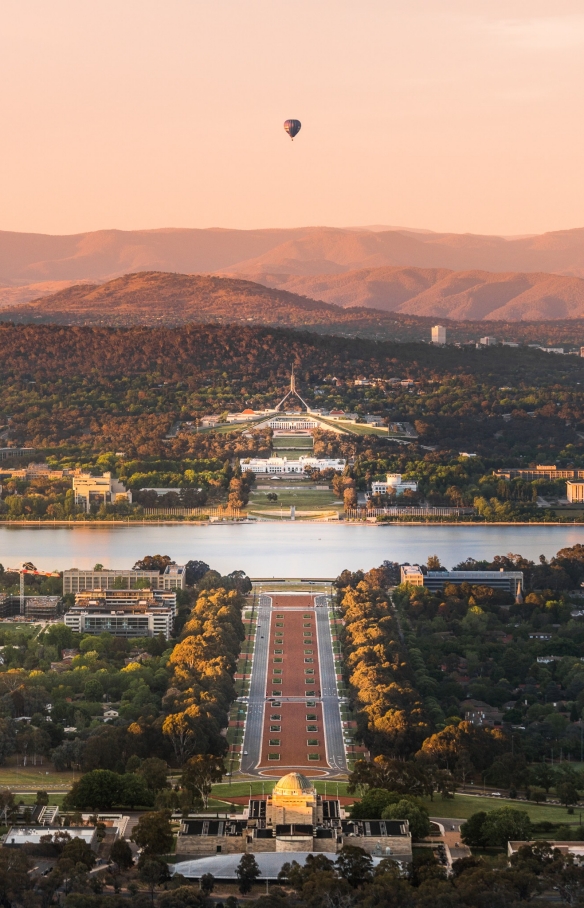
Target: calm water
(275, 550)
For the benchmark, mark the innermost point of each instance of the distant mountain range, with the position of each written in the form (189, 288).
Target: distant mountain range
(440, 293)
(435, 275)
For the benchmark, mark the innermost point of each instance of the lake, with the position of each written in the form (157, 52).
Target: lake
(273, 549)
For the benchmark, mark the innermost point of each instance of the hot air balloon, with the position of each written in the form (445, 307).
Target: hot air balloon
(292, 127)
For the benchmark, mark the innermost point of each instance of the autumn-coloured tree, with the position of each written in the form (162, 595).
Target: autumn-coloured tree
(200, 773)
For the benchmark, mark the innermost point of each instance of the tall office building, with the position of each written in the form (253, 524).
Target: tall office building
(438, 334)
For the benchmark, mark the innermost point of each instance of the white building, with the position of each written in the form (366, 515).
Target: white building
(411, 573)
(18, 836)
(438, 334)
(488, 341)
(575, 491)
(76, 581)
(123, 613)
(283, 465)
(289, 423)
(104, 489)
(393, 485)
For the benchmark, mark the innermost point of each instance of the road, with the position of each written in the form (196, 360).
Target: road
(333, 729)
(252, 741)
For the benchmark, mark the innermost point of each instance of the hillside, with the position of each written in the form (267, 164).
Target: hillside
(259, 254)
(98, 389)
(441, 293)
(169, 298)
(160, 298)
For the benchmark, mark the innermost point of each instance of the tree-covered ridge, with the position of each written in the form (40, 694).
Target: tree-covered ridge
(129, 400)
(123, 389)
(171, 298)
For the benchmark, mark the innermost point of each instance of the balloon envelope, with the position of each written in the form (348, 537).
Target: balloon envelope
(292, 127)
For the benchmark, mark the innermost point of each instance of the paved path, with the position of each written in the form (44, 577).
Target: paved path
(252, 741)
(335, 747)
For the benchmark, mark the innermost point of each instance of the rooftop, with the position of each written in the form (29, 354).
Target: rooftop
(224, 866)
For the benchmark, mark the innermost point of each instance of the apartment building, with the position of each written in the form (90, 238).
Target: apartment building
(541, 471)
(41, 608)
(76, 581)
(510, 581)
(123, 613)
(438, 334)
(8, 453)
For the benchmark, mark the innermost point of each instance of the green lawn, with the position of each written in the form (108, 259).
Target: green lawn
(30, 798)
(355, 428)
(226, 428)
(294, 441)
(290, 442)
(35, 777)
(224, 791)
(463, 806)
(303, 499)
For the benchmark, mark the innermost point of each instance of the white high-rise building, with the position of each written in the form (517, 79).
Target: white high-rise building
(438, 334)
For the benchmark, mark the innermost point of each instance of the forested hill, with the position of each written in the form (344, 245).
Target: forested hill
(168, 298)
(122, 389)
(163, 298)
(256, 354)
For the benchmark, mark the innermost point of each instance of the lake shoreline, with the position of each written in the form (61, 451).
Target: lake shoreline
(60, 524)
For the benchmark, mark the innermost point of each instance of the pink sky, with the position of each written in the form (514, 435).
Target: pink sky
(461, 115)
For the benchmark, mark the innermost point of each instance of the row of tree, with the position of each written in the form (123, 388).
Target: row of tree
(390, 714)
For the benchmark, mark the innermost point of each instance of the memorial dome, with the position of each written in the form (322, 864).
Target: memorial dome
(292, 785)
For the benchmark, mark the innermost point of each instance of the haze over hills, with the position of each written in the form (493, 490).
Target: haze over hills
(434, 275)
(27, 258)
(441, 293)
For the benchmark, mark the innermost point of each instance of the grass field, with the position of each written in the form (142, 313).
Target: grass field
(35, 777)
(463, 806)
(30, 798)
(303, 499)
(355, 428)
(293, 447)
(294, 441)
(227, 428)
